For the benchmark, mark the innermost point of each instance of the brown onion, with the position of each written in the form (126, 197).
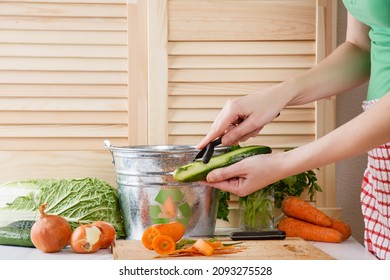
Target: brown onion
(86, 239)
(108, 233)
(50, 233)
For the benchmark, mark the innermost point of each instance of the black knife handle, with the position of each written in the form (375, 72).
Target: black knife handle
(258, 235)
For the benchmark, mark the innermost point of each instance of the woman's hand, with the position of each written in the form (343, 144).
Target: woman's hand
(248, 175)
(244, 117)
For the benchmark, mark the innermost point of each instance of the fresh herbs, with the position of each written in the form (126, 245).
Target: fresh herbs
(295, 186)
(258, 207)
(223, 206)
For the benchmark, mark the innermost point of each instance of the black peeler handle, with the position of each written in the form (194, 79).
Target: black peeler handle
(258, 235)
(210, 150)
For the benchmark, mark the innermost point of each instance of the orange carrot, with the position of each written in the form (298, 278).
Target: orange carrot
(148, 236)
(297, 228)
(203, 247)
(341, 227)
(175, 230)
(163, 244)
(297, 208)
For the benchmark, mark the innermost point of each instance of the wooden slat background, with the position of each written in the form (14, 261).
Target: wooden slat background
(63, 87)
(218, 50)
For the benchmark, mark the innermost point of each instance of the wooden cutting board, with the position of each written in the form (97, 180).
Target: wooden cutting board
(288, 249)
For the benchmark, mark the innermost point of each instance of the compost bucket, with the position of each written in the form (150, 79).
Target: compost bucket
(148, 194)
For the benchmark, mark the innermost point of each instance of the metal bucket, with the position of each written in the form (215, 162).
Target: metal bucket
(148, 194)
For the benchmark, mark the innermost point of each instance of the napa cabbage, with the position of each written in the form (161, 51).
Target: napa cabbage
(80, 201)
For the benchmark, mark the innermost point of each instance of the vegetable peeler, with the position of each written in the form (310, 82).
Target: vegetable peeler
(207, 152)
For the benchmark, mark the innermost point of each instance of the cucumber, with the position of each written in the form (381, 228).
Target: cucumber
(14, 236)
(197, 170)
(17, 234)
(23, 224)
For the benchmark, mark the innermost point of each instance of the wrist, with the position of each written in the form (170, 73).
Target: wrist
(292, 162)
(287, 92)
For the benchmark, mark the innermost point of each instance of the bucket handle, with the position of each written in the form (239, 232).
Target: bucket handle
(108, 145)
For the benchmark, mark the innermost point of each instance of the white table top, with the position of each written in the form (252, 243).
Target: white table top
(347, 250)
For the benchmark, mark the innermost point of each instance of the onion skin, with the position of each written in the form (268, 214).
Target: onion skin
(50, 233)
(108, 233)
(86, 239)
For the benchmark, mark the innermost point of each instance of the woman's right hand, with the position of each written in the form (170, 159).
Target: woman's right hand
(243, 118)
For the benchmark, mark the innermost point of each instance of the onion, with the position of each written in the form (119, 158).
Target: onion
(86, 239)
(108, 233)
(50, 233)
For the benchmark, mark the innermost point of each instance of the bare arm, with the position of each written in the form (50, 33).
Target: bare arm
(347, 67)
(368, 130)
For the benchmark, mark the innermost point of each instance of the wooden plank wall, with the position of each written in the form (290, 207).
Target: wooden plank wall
(63, 87)
(218, 50)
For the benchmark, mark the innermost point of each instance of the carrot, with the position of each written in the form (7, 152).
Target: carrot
(175, 230)
(297, 228)
(297, 208)
(341, 227)
(203, 247)
(163, 244)
(148, 236)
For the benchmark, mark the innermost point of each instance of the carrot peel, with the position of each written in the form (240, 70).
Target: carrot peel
(204, 247)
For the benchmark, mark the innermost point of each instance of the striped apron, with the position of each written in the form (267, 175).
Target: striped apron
(375, 199)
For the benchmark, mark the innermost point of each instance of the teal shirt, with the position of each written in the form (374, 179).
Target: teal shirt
(375, 14)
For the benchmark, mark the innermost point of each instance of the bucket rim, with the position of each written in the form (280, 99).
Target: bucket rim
(155, 148)
(162, 149)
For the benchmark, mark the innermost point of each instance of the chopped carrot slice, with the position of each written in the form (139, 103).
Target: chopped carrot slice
(163, 244)
(148, 236)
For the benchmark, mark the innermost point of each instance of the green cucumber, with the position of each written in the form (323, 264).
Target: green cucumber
(17, 234)
(197, 170)
(23, 224)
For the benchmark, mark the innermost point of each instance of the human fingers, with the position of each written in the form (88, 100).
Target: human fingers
(241, 132)
(231, 179)
(224, 120)
(241, 139)
(230, 185)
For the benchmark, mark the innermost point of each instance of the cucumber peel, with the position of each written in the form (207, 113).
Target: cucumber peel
(197, 170)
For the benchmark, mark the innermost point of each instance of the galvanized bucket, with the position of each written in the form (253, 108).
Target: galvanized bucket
(148, 194)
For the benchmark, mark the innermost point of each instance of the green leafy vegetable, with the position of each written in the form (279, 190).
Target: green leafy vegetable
(223, 206)
(80, 201)
(295, 186)
(259, 209)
